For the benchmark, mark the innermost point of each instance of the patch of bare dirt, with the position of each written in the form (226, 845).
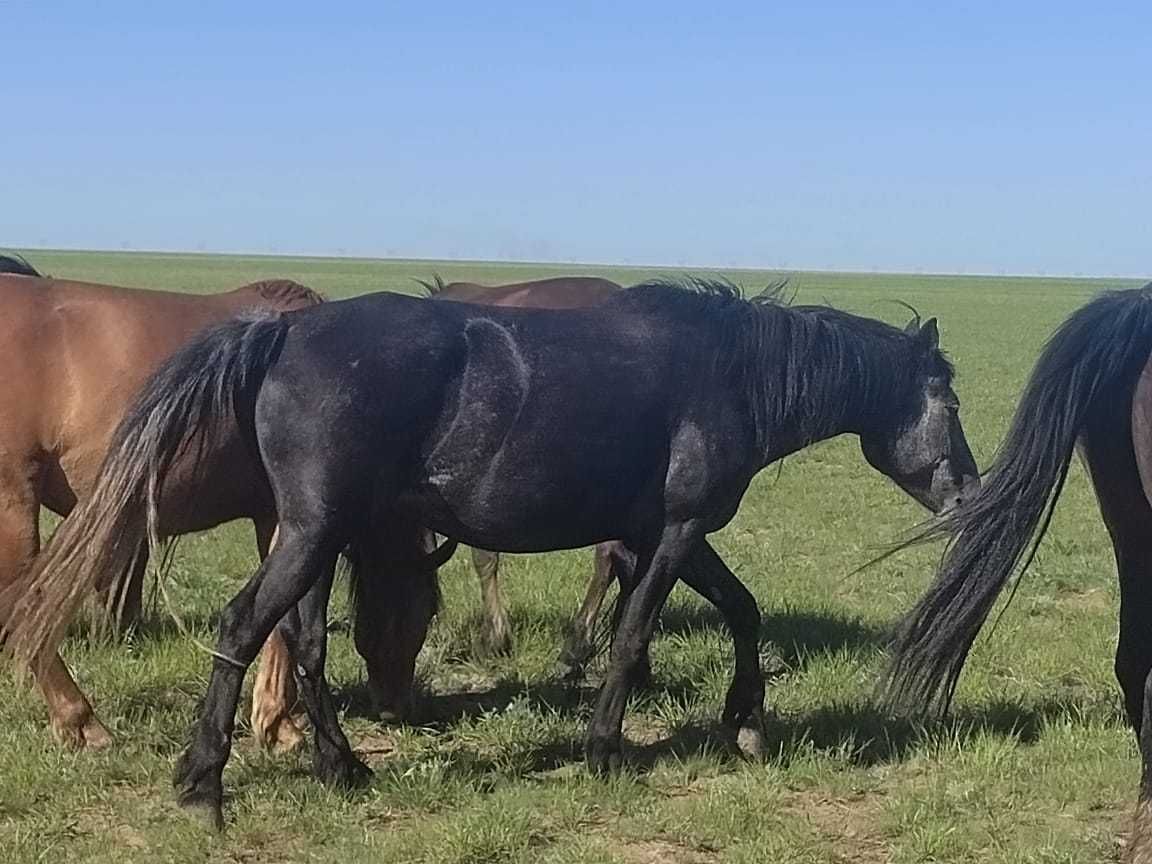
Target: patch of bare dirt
(102, 820)
(847, 823)
(662, 852)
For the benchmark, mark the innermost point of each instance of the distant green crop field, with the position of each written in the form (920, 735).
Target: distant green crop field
(1038, 765)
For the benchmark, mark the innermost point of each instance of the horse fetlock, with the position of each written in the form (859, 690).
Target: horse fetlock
(81, 730)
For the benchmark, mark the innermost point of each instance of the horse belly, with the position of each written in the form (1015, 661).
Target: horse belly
(506, 524)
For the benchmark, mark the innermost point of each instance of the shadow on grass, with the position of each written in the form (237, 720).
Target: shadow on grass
(865, 735)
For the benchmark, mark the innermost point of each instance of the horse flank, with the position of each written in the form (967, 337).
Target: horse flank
(1095, 355)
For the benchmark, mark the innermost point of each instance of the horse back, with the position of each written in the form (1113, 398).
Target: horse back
(564, 292)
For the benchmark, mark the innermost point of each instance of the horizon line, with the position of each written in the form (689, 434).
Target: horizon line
(856, 270)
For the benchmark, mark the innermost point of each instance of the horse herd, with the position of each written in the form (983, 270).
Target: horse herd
(532, 417)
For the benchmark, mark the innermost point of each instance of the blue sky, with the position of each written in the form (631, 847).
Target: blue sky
(983, 137)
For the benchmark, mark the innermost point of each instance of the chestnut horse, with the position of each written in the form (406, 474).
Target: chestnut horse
(610, 560)
(74, 354)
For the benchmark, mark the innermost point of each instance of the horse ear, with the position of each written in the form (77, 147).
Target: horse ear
(912, 328)
(929, 335)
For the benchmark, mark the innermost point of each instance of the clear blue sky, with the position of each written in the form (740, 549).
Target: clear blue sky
(986, 136)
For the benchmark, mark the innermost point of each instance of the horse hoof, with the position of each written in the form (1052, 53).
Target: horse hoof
(346, 773)
(750, 742)
(204, 806)
(603, 756)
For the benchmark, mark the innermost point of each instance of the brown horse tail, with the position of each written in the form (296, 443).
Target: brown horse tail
(1091, 361)
(195, 396)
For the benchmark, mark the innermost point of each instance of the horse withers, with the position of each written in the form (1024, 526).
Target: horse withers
(521, 430)
(1093, 386)
(74, 354)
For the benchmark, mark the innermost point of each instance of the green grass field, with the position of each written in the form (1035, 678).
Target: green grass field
(1037, 765)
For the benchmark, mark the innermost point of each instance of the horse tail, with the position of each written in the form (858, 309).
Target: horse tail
(433, 287)
(1094, 356)
(194, 397)
(17, 265)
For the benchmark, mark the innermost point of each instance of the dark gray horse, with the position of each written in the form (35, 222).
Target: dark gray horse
(517, 430)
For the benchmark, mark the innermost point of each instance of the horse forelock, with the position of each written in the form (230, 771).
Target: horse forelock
(285, 293)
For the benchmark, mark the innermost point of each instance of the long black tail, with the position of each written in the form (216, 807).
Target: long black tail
(1094, 356)
(211, 382)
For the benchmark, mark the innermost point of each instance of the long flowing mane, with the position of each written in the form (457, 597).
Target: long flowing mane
(791, 362)
(17, 265)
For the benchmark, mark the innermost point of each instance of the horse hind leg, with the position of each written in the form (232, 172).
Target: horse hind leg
(71, 717)
(1116, 460)
(304, 557)
(274, 694)
(496, 637)
(611, 562)
(305, 632)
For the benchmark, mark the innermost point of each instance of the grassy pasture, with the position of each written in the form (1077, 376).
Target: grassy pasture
(1037, 766)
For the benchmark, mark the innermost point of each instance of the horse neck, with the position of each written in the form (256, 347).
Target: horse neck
(838, 380)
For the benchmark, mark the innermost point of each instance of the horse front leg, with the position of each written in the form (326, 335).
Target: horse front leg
(710, 577)
(656, 572)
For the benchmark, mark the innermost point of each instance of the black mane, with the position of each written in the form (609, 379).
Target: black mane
(792, 362)
(17, 265)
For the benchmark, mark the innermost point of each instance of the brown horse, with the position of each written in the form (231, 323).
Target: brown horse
(611, 561)
(74, 354)
(1092, 386)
